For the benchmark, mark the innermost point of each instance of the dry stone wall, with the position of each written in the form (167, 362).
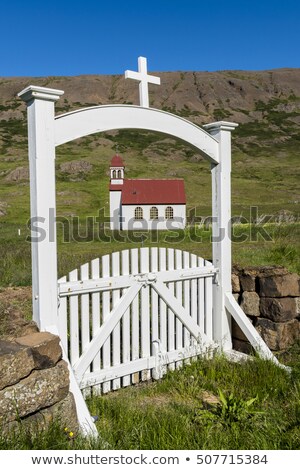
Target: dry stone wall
(270, 297)
(34, 383)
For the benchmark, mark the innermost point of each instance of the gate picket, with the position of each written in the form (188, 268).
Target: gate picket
(63, 321)
(178, 293)
(96, 364)
(154, 302)
(171, 316)
(116, 335)
(194, 300)
(105, 314)
(208, 304)
(186, 297)
(135, 321)
(125, 323)
(144, 312)
(74, 322)
(85, 318)
(162, 305)
(201, 300)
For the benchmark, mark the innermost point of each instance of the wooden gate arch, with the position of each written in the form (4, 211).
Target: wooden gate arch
(45, 132)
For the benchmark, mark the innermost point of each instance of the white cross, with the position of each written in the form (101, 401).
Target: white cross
(144, 79)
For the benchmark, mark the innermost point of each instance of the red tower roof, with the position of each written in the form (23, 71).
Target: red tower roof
(117, 161)
(138, 191)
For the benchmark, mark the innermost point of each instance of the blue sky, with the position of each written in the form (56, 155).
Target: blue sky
(41, 38)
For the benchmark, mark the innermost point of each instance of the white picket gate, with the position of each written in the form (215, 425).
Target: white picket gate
(132, 315)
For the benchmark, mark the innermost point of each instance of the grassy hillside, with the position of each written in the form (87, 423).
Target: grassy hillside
(265, 168)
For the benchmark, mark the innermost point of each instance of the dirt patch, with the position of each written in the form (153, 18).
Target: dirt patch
(156, 400)
(15, 312)
(19, 174)
(76, 168)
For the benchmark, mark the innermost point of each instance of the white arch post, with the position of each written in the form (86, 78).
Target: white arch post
(221, 230)
(41, 150)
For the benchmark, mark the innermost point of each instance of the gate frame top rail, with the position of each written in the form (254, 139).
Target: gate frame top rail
(68, 288)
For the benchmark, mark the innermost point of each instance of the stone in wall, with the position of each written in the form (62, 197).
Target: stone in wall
(45, 348)
(270, 295)
(41, 389)
(248, 279)
(34, 383)
(235, 281)
(63, 412)
(278, 309)
(281, 285)
(278, 335)
(250, 303)
(16, 363)
(242, 346)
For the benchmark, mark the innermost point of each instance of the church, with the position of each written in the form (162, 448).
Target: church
(145, 204)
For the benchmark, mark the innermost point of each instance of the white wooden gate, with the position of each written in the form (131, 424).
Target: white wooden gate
(131, 315)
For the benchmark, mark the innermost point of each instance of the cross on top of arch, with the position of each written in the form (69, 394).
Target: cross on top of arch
(143, 77)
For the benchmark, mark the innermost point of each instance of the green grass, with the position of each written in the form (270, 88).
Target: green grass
(258, 408)
(252, 245)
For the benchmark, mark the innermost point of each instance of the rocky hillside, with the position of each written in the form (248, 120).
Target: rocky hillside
(265, 145)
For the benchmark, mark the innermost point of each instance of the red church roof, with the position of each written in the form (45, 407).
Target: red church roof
(116, 161)
(138, 191)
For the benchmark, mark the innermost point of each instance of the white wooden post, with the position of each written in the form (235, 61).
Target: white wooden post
(221, 230)
(40, 109)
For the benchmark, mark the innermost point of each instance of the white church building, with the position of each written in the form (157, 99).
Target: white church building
(145, 204)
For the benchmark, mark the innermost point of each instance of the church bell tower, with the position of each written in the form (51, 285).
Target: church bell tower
(117, 168)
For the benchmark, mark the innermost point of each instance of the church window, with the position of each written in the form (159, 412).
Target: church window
(114, 174)
(119, 174)
(153, 213)
(138, 213)
(169, 212)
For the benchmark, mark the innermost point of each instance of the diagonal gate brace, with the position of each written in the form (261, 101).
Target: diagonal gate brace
(105, 330)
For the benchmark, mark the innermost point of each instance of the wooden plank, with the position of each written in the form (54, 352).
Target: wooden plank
(208, 306)
(63, 319)
(162, 305)
(74, 323)
(171, 317)
(116, 334)
(201, 309)
(178, 294)
(96, 364)
(85, 313)
(125, 323)
(154, 300)
(106, 358)
(135, 321)
(193, 290)
(85, 319)
(105, 330)
(133, 368)
(94, 285)
(122, 282)
(145, 311)
(186, 298)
